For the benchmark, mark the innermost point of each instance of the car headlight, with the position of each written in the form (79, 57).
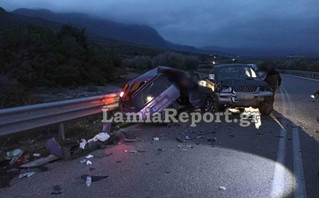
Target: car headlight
(202, 83)
(227, 89)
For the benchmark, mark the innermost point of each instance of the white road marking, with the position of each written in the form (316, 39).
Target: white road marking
(300, 190)
(305, 78)
(278, 184)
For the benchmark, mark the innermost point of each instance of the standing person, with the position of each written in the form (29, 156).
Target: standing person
(272, 77)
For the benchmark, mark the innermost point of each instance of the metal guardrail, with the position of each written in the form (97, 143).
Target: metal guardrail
(17, 119)
(308, 74)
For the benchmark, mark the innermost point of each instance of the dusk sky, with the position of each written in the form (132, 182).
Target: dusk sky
(225, 23)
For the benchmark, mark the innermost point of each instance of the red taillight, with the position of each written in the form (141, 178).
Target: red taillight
(121, 94)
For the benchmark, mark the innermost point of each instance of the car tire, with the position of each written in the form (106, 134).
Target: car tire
(208, 105)
(218, 107)
(265, 108)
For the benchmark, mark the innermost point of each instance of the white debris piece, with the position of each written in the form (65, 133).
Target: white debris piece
(89, 156)
(28, 174)
(88, 181)
(88, 162)
(82, 143)
(36, 154)
(222, 188)
(156, 138)
(100, 136)
(83, 161)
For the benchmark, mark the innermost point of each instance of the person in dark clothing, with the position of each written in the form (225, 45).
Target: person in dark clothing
(315, 95)
(273, 78)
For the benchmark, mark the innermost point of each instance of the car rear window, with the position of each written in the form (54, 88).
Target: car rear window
(150, 91)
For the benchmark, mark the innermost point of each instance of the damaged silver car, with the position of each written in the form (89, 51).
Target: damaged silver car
(164, 87)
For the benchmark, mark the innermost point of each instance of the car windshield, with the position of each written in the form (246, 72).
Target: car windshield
(152, 90)
(236, 72)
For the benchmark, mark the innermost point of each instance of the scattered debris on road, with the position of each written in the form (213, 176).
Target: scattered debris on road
(83, 143)
(188, 138)
(28, 174)
(89, 156)
(36, 155)
(222, 188)
(88, 162)
(179, 139)
(211, 139)
(54, 147)
(56, 190)
(103, 136)
(88, 181)
(16, 157)
(40, 162)
(90, 178)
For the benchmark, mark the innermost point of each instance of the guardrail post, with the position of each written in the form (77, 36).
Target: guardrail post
(106, 125)
(61, 131)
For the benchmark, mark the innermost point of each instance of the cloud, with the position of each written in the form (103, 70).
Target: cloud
(227, 23)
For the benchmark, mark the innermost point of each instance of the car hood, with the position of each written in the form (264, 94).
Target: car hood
(243, 82)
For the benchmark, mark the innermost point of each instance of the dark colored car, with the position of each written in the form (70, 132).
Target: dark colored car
(238, 85)
(162, 87)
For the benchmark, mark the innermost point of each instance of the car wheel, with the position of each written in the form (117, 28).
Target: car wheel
(266, 108)
(208, 105)
(218, 107)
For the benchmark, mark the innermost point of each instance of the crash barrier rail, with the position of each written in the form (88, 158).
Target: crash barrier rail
(17, 119)
(308, 74)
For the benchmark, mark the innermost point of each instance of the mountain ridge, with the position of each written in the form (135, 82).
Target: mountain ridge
(102, 28)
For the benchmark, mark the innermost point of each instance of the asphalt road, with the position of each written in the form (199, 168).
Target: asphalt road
(280, 159)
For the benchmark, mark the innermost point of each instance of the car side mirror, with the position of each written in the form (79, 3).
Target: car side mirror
(211, 76)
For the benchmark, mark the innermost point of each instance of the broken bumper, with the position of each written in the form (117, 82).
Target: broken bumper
(243, 99)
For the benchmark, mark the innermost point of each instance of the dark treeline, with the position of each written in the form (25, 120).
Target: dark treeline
(168, 58)
(32, 57)
(304, 64)
(37, 56)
